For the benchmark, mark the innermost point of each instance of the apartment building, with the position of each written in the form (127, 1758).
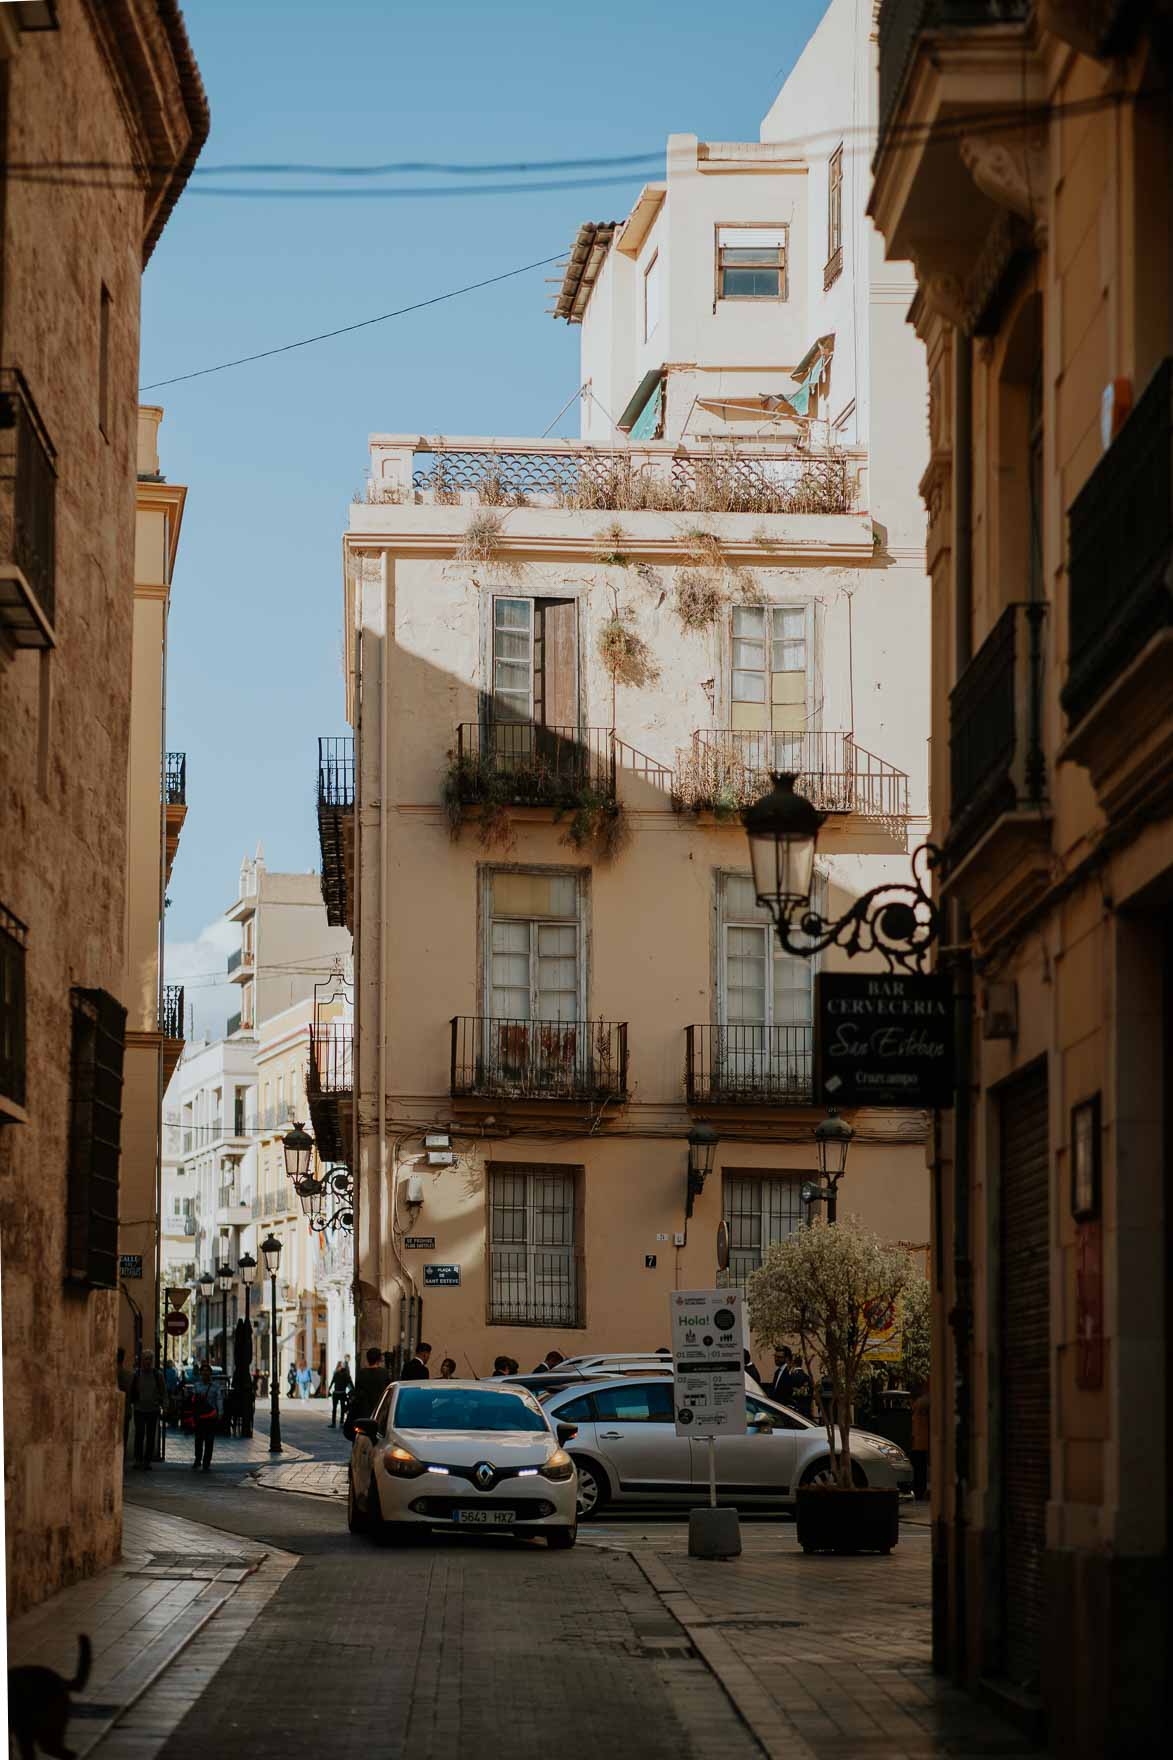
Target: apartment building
(1024, 162)
(569, 663)
(286, 943)
(156, 810)
(71, 261)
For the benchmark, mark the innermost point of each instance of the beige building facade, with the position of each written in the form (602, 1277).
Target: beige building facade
(70, 273)
(570, 663)
(1024, 162)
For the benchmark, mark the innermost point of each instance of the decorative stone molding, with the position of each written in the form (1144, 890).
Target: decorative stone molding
(1013, 173)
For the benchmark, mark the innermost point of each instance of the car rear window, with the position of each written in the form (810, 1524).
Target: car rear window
(464, 1408)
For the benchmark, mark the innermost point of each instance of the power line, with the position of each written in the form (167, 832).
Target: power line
(395, 168)
(346, 329)
(398, 192)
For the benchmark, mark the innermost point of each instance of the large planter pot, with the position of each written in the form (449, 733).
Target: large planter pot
(833, 1520)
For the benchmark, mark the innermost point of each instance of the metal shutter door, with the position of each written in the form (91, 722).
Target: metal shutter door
(1026, 1369)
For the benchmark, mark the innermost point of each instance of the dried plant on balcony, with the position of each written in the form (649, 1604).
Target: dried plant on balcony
(714, 779)
(625, 654)
(598, 824)
(700, 597)
(470, 782)
(492, 491)
(610, 546)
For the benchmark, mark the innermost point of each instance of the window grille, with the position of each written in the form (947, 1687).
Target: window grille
(534, 1272)
(13, 940)
(95, 1139)
(760, 1209)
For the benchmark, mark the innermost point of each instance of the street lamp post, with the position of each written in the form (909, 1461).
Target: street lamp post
(207, 1284)
(246, 1265)
(224, 1278)
(833, 1137)
(271, 1253)
(702, 1146)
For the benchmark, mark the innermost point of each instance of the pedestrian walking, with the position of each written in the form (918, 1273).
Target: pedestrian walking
(417, 1369)
(781, 1388)
(341, 1387)
(918, 1453)
(751, 1370)
(551, 1360)
(148, 1393)
(291, 1381)
(448, 1369)
(305, 1379)
(209, 1403)
(369, 1386)
(124, 1377)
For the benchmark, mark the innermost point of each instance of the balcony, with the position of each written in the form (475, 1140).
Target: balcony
(330, 1088)
(999, 842)
(28, 491)
(174, 802)
(957, 188)
(336, 828)
(13, 1048)
(233, 1026)
(171, 1027)
(1120, 611)
(518, 764)
(724, 771)
(761, 477)
(748, 1066)
(240, 964)
(538, 1060)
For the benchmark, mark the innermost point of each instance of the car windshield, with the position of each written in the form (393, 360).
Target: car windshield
(464, 1408)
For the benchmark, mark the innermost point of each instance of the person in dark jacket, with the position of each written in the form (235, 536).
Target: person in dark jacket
(550, 1361)
(417, 1369)
(369, 1385)
(148, 1397)
(209, 1408)
(782, 1385)
(341, 1385)
(751, 1370)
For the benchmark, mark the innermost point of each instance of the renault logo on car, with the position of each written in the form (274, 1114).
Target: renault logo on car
(483, 1474)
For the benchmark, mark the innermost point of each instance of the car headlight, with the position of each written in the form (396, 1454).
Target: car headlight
(559, 1466)
(891, 1450)
(403, 1463)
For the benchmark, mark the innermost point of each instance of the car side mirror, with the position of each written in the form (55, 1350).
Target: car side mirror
(366, 1427)
(566, 1433)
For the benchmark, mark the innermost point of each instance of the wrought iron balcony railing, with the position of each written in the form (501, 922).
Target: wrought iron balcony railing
(1120, 590)
(175, 779)
(336, 772)
(28, 491)
(539, 1060)
(744, 1065)
(331, 1068)
(336, 824)
(901, 23)
(996, 759)
(523, 765)
(772, 479)
(171, 1011)
(724, 771)
(13, 1051)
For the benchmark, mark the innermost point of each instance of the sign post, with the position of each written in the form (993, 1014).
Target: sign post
(708, 1370)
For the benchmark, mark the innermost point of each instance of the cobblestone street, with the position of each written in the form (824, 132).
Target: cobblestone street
(482, 1646)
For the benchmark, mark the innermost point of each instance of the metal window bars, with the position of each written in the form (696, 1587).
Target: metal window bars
(28, 491)
(749, 1065)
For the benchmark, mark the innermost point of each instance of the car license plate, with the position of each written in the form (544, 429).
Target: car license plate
(486, 1518)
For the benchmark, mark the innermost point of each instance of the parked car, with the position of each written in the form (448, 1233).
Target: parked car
(622, 1363)
(627, 1450)
(461, 1454)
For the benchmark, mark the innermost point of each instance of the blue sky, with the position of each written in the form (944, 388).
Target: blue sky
(273, 452)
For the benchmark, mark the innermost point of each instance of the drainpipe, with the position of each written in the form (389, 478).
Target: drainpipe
(961, 1314)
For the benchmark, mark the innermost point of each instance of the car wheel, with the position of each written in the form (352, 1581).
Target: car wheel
(356, 1516)
(561, 1539)
(821, 1472)
(593, 1489)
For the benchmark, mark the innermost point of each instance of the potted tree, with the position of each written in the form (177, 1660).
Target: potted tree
(833, 1286)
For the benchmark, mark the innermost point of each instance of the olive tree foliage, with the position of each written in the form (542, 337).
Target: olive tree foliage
(831, 1286)
(916, 1332)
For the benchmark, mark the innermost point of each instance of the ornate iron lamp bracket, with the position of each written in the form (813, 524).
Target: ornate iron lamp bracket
(900, 921)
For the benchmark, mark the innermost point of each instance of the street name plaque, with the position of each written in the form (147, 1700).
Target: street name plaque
(130, 1265)
(884, 1039)
(442, 1276)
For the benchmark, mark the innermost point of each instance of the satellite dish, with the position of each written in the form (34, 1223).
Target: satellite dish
(722, 1245)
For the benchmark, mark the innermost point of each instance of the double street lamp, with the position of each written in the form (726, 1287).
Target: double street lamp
(207, 1284)
(832, 1140)
(271, 1254)
(246, 1267)
(225, 1278)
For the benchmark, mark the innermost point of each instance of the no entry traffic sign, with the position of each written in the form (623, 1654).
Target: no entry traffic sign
(176, 1324)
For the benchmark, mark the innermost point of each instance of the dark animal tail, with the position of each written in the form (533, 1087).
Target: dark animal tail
(84, 1658)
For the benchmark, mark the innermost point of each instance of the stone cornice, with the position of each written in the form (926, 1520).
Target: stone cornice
(853, 545)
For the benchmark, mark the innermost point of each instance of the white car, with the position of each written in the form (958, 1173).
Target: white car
(462, 1454)
(627, 1450)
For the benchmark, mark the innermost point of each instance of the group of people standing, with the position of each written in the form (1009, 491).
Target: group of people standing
(147, 1393)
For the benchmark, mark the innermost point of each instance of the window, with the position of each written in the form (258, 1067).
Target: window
(834, 218)
(13, 938)
(751, 262)
(756, 1409)
(579, 1411)
(534, 965)
(95, 1139)
(769, 676)
(280, 1119)
(238, 1111)
(760, 1209)
(651, 296)
(534, 1273)
(104, 362)
(535, 662)
(651, 1403)
(764, 1045)
(245, 1017)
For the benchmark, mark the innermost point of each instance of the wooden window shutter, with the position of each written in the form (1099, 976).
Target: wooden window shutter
(95, 1139)
(556, 663)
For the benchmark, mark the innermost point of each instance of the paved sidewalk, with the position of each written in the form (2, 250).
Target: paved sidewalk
(307, 1477)
(173, 1577)
(228, 1451)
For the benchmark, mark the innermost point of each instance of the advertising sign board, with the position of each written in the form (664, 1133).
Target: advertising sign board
(708, 1345)
(884, 1039)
